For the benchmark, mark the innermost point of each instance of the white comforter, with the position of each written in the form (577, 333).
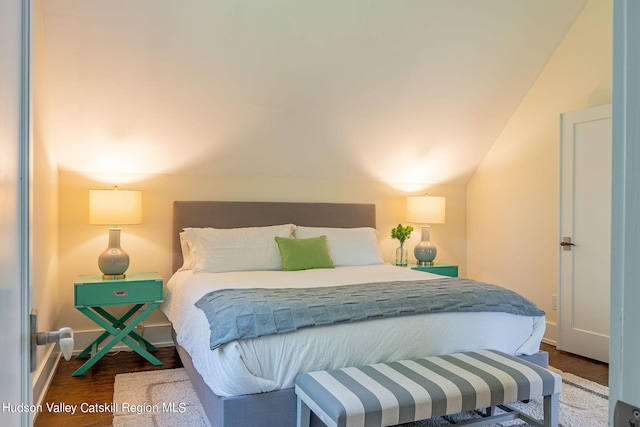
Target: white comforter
(272, 362)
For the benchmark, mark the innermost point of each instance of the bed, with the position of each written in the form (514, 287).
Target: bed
(248, 382)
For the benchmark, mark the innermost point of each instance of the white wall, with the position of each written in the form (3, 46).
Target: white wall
(149, 244)
(512, 199)
(407, 92)
(44, 265)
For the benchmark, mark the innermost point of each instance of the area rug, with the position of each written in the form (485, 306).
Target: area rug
(165, 398)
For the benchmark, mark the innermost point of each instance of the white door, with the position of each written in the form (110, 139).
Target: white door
(585, 232)
(624, 370)
(15, 377)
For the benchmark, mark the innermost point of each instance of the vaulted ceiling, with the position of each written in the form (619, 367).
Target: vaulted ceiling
(411, 91)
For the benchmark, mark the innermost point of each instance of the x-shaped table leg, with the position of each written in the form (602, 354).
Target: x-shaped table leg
(120, 331)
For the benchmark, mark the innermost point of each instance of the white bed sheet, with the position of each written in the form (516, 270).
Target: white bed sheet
(271, 363)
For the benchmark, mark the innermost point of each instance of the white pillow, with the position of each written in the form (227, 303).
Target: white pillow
(187, 255)
(217, 250)
(347, 246)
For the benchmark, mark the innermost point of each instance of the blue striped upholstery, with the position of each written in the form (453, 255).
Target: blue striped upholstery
(386, 394)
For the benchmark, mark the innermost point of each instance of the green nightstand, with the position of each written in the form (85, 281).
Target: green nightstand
(442, 269)
(91, 293)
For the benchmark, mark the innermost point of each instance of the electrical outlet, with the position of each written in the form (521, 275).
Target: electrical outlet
(140, 328)
(554, 302)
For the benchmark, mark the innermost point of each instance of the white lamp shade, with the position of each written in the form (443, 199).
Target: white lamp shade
(115, 207)
(426, 209)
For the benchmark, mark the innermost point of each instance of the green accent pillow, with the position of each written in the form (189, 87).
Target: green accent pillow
(304, 254)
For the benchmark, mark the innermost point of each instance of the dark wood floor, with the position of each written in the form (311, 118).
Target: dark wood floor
(586, 368)
(96, 385)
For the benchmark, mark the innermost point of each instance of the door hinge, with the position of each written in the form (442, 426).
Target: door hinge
(625, 415)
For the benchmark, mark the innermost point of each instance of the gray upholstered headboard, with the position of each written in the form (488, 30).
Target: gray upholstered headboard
(257, 214)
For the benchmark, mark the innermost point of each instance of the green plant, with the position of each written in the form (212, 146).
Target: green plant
(401, 233)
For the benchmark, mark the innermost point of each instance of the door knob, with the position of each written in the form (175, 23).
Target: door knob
(566, 243)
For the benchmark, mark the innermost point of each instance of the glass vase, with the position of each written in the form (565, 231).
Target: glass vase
(402, 256)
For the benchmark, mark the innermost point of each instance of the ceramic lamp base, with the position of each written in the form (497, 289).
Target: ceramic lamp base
(425, 251)
(113, 261)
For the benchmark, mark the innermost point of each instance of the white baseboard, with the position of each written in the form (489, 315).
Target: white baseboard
(551, 334)
(43, 375)
(158, 335)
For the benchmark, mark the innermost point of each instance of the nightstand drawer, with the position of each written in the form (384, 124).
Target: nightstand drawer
(90, 293)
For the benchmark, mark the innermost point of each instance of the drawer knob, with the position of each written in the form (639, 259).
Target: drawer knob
(120, 293)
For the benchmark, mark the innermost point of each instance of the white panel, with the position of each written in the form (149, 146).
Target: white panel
(625, 249)
(14, 369)
(592, 226)
(585, 206)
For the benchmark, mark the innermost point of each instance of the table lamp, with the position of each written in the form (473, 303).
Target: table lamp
(425, 210)
(114, 208)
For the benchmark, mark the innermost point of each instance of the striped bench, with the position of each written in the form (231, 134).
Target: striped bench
(387, 394)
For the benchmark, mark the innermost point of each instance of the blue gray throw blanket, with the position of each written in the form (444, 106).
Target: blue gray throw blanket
(250, 313)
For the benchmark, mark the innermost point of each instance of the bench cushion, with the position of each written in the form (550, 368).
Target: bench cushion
(392, 393)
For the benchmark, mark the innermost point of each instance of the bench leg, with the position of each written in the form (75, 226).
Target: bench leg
(551, 409)
(303, 414)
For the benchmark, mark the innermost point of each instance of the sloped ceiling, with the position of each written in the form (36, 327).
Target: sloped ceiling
(405, 92)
